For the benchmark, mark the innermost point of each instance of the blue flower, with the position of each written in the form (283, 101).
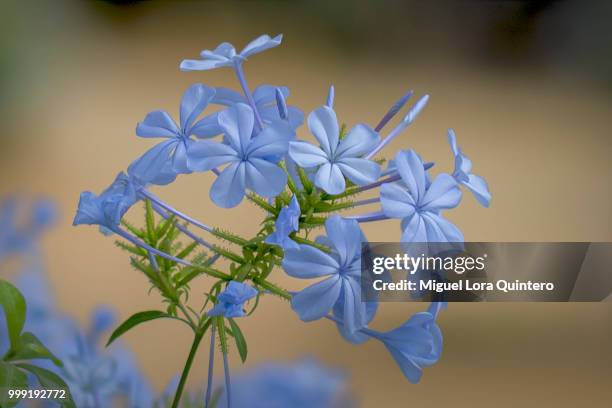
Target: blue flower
(230, 302)
(161, 164)
(251, 162)
(419, 203)
(342, 269)
(336, 158)
(303, 384)
(265, 101)
(415, 344)
(286, 223)
(225, 54)
(107, 209)
(463, 167)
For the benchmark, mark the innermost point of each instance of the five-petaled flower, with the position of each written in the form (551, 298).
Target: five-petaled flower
(250, 158)
(161, 163)
(336, 158)
(230, 302)
(342, 269)
(107, 209)
(286, 223)
(463, 173)
(225, 54)
(419, 203)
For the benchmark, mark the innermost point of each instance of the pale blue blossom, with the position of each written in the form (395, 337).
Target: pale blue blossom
(336, 158)
(230, 302)
(225, 54)
(161, 163)
(418, 204)
(286, 223)
(463, 173)
(250, 160)
(341, 269)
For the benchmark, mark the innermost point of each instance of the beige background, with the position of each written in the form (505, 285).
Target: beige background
(78, 76)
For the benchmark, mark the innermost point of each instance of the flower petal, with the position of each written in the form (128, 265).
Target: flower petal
(260, 44)
(264, 177)
(155, 166)
(478, 186)
(309, 262)
(442, 194)
(306, 154)
(237, 122)
(194, 101)
(354, 311)
(179, 159)
(359, 171)
(439, 229)
(227, 97)
(360, 140)
(228, 189)
(157, 124)
(273, 140)
(206, 127)
(206, 155)
(203, 65)
(345, 236)
(330, 178)
(395, 201)
(323, 124)
(410, 167)
(316, 300)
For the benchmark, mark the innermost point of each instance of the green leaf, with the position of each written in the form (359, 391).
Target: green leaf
(239, 338)
(14, 306)
(135, 320)
(50, 381)
(11, 378)
(29, 348)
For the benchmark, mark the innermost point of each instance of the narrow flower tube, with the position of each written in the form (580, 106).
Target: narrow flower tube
(211, 364)
(368, 217)
(390, 179)
(407, 121)
(366, 201)
(148, 248)
(330, 97)
(247, 93)
(397, 106)
(228, 388)
(174, 211)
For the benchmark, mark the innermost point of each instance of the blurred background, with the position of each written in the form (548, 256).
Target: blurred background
(526, 85)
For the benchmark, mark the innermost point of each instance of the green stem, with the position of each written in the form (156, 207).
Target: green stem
(194, 348)
(305, 241)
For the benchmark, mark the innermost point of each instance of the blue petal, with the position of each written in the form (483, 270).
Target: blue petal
(442, 194)
(360, 140)
(228, 189)
(157, 124)
(478, 186)
(227, 97)
(155, 164)
(194, 101)
(345, 235)
(355, 337)
(203, 65)
(354, 309)
(265, 178)
(359, 171)
(88, 211)
(330, 178)
(410, 168)
(237, 122)
(224, 51)
(207, 127)
(206, 155)
(271, 141)
(439, 229)
(266, 94)
(179, 158)
(395, 201)
(306, 155)
(260, 44)
(309, 262)
(316, 300)
(323, 124)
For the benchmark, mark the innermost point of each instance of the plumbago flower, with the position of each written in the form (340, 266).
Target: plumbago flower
(302, 188)
(463, 167)
(337, 158)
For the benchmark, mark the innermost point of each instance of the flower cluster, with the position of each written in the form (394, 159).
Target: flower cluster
(251, 143)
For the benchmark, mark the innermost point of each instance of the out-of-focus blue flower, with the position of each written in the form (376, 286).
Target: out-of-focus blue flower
(107, 209)
(286, 223)
(265, 101)
(415, 344)
(336, 158)
(418, 203)
(342, 268)
(303, 384)
(230, 302)
(225, 54)
(21, 224)
(248, 158)
(169, 157)
(463, 173)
